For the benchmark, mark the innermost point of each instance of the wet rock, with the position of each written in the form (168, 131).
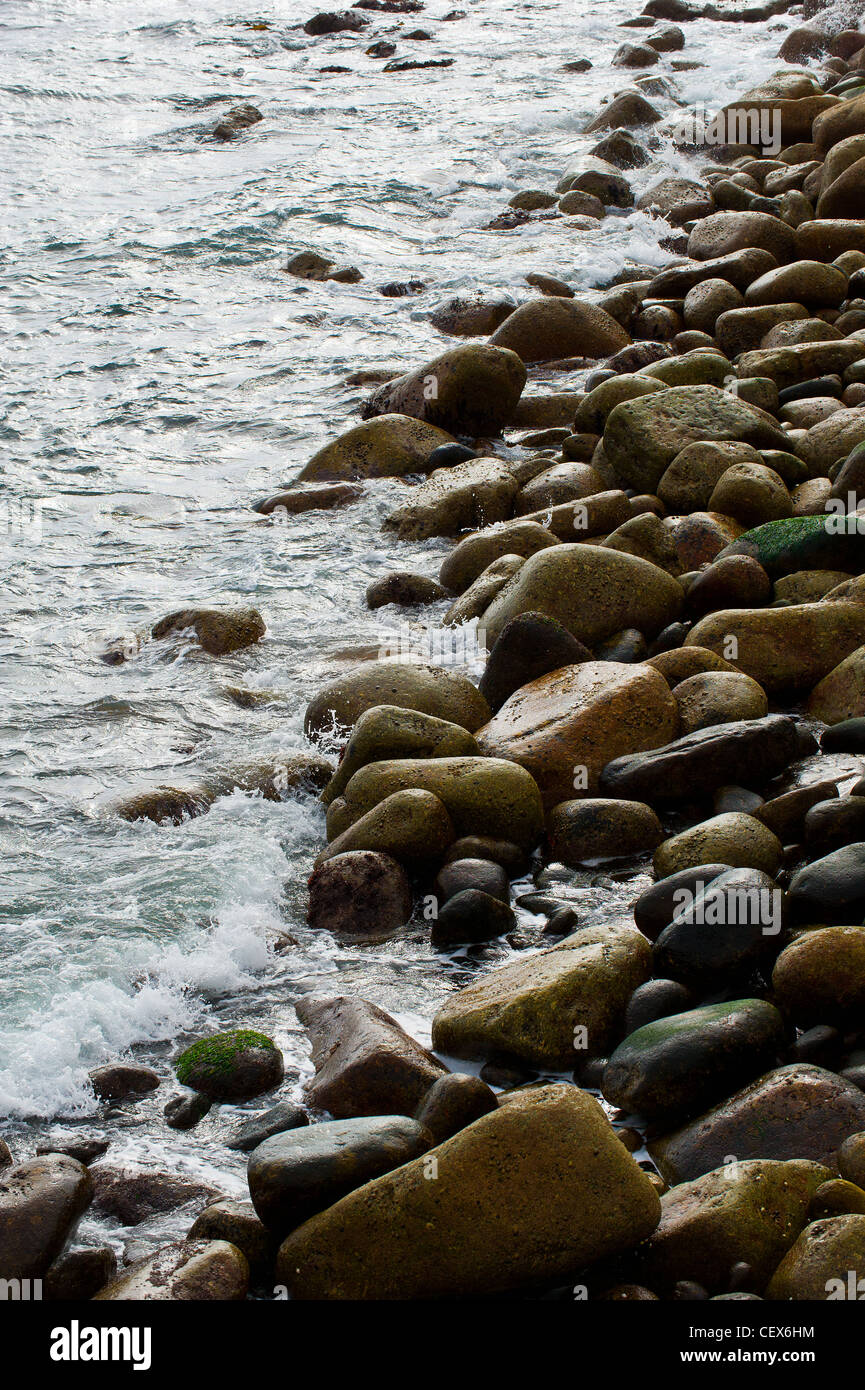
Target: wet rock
(577, 203)
(642, 437)
(845, 736)
(724, 232)
(800, 543)
(752, 494)
(79, 1274)
(536, 1213)
(285, 1115)
(580, 717)
(218, 633)
(583, 832)
(293, 1176)
(738, 581)
(184, 1112)
(468, 390)
(651, 1001)
(528, 647)
(785, 814)
(592, 591)
(387, 447)
(820, 977)
(473, 315)
(428, 689)
(830, 824)
(734, 838)
(297, 500)
(824, 1263)
(552, 327)
(529, 200)
(713, 1223)
(236, 1222)
(594, 409)
(564, 482)
(635, 55)
(365, 1063)
(621, 149)
(529, 1010)
(476, 493)
(647, 537)
(236, 1065)
(470, 916)
(718, 697)
(186, 1271)
(479, 596)
(678, 201)
(658, 905)
(335, 22)
(797, 1111)
(786, 650)
(707, 301)
(832, 888)
(482, 874)
(483, 796)
(122, 1081)
(387, 732)
(41, 1202)
(678, 1065)
(359, 893)
(627, 109)
(468, 560)
(130, 1196)
(454, 1102)
(235, 120)
(412, 826)
(309, 265)
(404, 589)
(749, 752)
(723, 929)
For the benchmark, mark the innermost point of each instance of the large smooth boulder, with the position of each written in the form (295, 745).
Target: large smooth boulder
(478, 492)
(487, 796)
(723, 232)
(218, 631)
(831, 889)
(365, 1063)
(843, 120)
(473, 554)
(748, 751)
(805, 543)
(797, 1111)
(234, 1065)
(643, 436)
(387, 447)
(41, 1203)
(388, 731)
(841, 694)
(583, 832)
(820, 977)
(678, 1065)
(467, 390)
(528, 647)
(552, 327)
(593, 591)
(819, 1266)
(708, 1225)
(552, 1009)
(733, 838)
(360, 891)
(526, 1194)
(406, 684)
(294, 1175)
(580, 717)
(786, 650)
(412, 825)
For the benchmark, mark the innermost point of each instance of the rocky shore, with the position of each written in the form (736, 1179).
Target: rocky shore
(664, 573)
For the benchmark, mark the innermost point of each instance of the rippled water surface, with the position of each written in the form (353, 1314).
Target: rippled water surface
(160, 373)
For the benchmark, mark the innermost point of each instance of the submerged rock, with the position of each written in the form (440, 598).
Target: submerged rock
(217, 632)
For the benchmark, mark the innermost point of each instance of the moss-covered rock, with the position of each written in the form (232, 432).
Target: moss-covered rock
(231, 1066)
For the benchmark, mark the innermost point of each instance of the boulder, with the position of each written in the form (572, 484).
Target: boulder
(528, 647)
(592, 591)
(812, 283)
(387, 447)
(41, 1203)
(552, 1009)
(408, 685)
(237, 1223)
(642, 437)
(727, 924)
(218, 632)
(551, 327)
(471, 494)
(467, 390)
(717, 697)
(524, 1195)
(689, 481)
(752, 494)
(388, 731)
(723, 1218)
(786, 650)
(123, 1081)
(365, 1063)
(294, 1175)
(275, 1120)
(468, 560)
(413, 826)
(586, 831)
(627, 109)
(454, 1102)
(820, 977)
(831, 889)
(797, 1111)
(403, 588)
(473, 315)
(130, 1196)
(483, 796)
(746, 751)
(580, 717)
(804, 542)
(676, 1066)
(236, 1065)
(841, 694)
(824, 1264)
(724, 232)
(359, 892)
(733, 838)
(745, 329)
